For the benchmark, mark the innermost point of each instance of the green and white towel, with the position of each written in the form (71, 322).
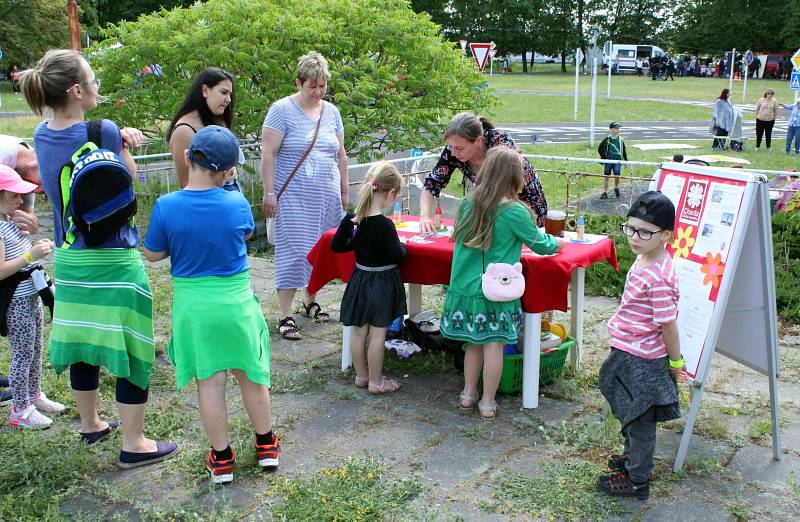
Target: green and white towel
(103, 313)
(218, 325)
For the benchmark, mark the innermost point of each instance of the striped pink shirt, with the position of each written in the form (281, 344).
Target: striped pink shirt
(650, 299)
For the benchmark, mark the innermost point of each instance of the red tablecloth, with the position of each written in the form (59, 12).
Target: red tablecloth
(546, 277)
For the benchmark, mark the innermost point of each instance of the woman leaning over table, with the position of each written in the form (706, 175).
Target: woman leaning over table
(315, 198)
(468, 139)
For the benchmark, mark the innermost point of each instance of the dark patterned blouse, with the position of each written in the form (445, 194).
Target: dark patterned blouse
(532, 192)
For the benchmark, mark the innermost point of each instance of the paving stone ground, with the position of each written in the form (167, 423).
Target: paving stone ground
(458, 460)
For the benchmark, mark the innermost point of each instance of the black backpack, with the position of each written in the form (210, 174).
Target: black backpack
(97, 195)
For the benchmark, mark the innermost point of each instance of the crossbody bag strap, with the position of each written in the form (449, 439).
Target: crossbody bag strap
(305, 154)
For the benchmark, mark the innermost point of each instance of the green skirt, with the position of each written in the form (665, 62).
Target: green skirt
(475, 319)
(103, 313)
(217, 325)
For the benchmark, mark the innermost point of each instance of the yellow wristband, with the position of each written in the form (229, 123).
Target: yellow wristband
(677, 364)
(28, 257)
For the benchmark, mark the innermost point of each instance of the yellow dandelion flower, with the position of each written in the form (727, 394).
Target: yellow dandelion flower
(683, 242)
(370, 475)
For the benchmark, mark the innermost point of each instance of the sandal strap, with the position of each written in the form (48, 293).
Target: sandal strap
(313, 305)
(288, 325)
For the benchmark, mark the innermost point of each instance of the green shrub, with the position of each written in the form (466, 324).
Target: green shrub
(786, 248)
(394, 77)
(602, 279)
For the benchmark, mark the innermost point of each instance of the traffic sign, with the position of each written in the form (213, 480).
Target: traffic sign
(463, 44)
(796, 59)
(578, 56)
(749, 57)
(480, 51)
(794, 81)
(492, 53)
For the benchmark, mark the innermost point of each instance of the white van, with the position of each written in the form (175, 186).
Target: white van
(625, 57)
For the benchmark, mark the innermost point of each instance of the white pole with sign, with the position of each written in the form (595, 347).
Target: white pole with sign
(578, 60)
(594, 98)
(748, 59)
(794, 79)
(609, 54)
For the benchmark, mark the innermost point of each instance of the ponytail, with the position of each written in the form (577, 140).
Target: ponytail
(30, 83)
(381, 177)
(486, 124)
(46, 85)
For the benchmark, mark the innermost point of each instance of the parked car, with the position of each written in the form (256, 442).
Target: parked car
(623, 57)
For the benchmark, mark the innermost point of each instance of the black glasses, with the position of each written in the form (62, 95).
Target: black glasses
(644, 235)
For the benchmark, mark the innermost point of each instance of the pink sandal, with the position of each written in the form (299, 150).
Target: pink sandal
(386, 386)
(488, 411)
(467, 402)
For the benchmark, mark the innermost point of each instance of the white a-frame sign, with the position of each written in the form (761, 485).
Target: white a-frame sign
(723, 255)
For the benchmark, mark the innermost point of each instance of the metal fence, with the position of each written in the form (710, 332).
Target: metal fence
(571, 184)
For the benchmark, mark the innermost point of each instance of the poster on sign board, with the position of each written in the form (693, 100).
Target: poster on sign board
(707, 213)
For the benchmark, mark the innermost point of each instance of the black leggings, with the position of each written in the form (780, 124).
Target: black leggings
(763, 126)
(85, 377)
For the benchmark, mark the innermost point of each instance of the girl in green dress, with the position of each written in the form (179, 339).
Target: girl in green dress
(491, 227)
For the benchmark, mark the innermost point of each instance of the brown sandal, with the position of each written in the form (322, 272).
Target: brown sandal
(288, 329)
(361, 382)
(387, 386)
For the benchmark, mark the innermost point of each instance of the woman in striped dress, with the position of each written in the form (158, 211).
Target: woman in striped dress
(315, 198)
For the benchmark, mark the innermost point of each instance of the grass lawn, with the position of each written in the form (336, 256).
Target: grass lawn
(703, 89)
(11, 102)
(528, 108)
(559, 175)
(21, 126)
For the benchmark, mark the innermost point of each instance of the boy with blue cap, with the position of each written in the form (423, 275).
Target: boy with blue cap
(217, 322)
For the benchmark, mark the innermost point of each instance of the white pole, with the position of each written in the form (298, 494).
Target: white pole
(491, 61)
(577, 65)
(594, 100)
(732, 61)
(610, 47)
(744, 82)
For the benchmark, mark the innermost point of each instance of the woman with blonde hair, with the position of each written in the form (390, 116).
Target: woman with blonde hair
(304, 171)
(103, 314)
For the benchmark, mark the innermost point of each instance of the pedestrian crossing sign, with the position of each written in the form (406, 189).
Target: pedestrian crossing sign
(794, 81)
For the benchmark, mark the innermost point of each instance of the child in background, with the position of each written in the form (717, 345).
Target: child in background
(375, 296)
(22, 312)
(217, 323)
(613, 148)
(491, 227)
(638, 377)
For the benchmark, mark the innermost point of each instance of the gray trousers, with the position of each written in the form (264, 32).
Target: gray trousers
(640, 445)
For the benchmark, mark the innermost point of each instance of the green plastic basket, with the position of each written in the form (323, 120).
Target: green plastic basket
(551, 366)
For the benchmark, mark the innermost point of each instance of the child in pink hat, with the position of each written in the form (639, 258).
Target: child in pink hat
(21, 311)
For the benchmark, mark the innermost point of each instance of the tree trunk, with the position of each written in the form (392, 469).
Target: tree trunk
(564, 61)
(525, 62)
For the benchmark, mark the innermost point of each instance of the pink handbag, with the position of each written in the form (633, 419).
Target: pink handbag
(503, 282)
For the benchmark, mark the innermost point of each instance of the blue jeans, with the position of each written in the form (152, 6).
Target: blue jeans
(608, 167)
(793, 133)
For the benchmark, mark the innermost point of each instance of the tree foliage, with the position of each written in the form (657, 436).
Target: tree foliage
(712, 26)
(392, 76)
(30, 27)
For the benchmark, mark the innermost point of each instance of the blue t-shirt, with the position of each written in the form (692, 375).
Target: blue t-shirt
(54, 149)
(202, 230)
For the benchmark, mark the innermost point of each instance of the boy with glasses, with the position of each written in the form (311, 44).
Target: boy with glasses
(638, 379)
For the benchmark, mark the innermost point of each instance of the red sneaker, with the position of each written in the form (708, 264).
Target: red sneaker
(267, 454)
(221, 471)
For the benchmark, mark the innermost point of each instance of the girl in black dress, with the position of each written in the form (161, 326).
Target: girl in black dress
(375, 295)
